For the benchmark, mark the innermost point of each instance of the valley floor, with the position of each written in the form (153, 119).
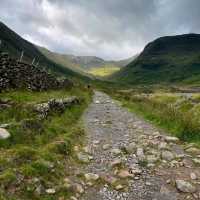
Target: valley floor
(131, 159)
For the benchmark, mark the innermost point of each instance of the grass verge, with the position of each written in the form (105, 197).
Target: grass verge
(39, 153)
(180, 119)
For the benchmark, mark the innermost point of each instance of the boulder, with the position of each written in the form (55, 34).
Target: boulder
(55, 105)
(42, 109)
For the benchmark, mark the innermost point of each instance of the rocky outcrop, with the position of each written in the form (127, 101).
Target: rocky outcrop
(15, 74)
(55, 105)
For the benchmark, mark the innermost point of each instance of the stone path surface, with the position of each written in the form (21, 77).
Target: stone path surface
(129, 159)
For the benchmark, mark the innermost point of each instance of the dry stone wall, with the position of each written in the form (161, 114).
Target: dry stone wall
(15, 74)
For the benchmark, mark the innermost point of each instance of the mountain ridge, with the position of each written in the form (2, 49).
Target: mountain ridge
(169, 59)
(14, 44)
(83, 62)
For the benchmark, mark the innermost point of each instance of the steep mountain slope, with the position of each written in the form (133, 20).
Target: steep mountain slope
(171, 59)
(14, 44)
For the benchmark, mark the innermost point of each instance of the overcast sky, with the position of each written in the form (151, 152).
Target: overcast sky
(111, 29)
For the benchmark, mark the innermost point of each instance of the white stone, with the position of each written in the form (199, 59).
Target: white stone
(171, 139)
(91, 177)
(87, 149)
(185, 186)
(140, 154)
(125, 174)
(162, 145)
(50, 191)
(136, 171)
(196, 161)
(148, 183)
(193, 176)
(152, 159)
(167, 155)
(83, 157)
(116, 162)
(4, 134)
(116, 151)
(131, 147)
(193, 150)
(96, 142)
(106, 146)
(73, 198)
(79, 188)
(119, 187)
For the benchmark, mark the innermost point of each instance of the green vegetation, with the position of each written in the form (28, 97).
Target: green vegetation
(86, 65)
(64, 60)
(37, 155)
(14, 45)
(176, 113)
(104, 71)
(70, 66)
(173, 59)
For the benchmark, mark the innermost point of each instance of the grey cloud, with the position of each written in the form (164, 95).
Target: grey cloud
(112, 29)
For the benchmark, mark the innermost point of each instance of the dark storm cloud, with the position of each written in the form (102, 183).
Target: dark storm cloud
(105, 28)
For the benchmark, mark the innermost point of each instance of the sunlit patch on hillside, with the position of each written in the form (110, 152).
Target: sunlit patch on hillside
(104, 71)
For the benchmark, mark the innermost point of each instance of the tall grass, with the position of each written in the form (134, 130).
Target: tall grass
(181, 123)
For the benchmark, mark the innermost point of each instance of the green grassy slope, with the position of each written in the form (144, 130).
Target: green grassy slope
(172, 59)
(84, 64)
(39, 153)
(63, 59)
(14, 45)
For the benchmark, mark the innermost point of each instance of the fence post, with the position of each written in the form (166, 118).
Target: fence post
(21, 57)
(33, 61)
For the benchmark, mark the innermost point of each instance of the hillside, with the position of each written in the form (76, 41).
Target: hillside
(171, 59)
(85, 64)
(12, 43)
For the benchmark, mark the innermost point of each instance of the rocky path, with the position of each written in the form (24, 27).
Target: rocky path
(129, 159)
